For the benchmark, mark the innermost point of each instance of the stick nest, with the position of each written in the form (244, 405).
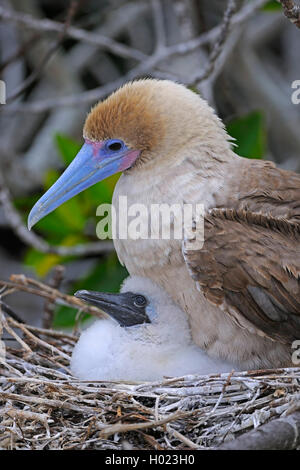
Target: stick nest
(42, 406)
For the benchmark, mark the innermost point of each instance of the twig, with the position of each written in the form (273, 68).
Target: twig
(72, 32)
(53, 333)
(121, 428)
(151, 440)
(217, 49)
(14, 334)
(37, 340)
(27, 415)
(291, 11)
(185, 440)
(33, 77)
(148, 64)
(9, 311)
(279, 434)
(49, 403)
(20, 52)
(23, 283)
(78, 410)
(49, 308)
(31, 239)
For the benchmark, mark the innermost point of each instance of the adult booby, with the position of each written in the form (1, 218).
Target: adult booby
(149, 339)
(241, 290)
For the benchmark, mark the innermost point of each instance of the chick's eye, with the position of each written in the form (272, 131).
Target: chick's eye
(139, 301)
(115, 145)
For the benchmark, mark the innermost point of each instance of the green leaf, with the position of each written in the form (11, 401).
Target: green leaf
(65, 317)
(67, 147)
(42, 263)
(50, 177)
(70, 213)
(53, 228)
(25, 203)
(273, 5)
(250, 134)
(100, 193)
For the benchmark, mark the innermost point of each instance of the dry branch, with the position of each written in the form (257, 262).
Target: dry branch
(34, 76)
(279, 434)
(49, 307)
(8, 310)
(57, 411)
(25, 284)
(20, 52)
(123, 428)
(218, 46)
(147, 65)
(72, 32)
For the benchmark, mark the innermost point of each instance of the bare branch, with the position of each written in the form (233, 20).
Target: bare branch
(37, 340)
(20, 52)
(224, 31)
(122, 428)
(32, 286)
(34, 76)
(9, 311)
(12, 332)
(291, 11)
(31, 239)
(49, 308)
(72, 32)
(147, 66)
(279, 434)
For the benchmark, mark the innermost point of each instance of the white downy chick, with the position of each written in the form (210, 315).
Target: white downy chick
(147, 339)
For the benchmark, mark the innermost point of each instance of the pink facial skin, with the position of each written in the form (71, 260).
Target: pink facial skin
(127, 156)
(129, 159)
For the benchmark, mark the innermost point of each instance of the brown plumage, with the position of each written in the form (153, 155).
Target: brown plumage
(256, 274)
(265, 188)
(241, 291)
(247, 309)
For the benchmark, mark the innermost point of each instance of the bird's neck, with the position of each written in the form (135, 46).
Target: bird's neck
(188, 182)
(195, 176)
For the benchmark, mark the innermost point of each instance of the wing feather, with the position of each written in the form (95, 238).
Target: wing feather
(250, 266)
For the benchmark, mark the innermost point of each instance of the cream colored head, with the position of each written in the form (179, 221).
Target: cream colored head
(159, 118)
(147, 124)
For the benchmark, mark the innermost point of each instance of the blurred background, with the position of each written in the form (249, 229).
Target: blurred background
(58, 58)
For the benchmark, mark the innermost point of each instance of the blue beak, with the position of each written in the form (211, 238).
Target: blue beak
(92, 164)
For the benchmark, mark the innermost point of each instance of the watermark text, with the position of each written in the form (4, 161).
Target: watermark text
(154, 222)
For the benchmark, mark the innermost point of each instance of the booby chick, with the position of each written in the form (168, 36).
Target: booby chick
(148, 339)
(241, 290)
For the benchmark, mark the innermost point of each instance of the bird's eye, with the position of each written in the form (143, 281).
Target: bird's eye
(140, 301)
(114, 145)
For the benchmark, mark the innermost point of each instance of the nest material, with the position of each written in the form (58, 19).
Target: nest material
(42, 406)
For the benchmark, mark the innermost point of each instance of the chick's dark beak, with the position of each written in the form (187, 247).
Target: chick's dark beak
(121, 307)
